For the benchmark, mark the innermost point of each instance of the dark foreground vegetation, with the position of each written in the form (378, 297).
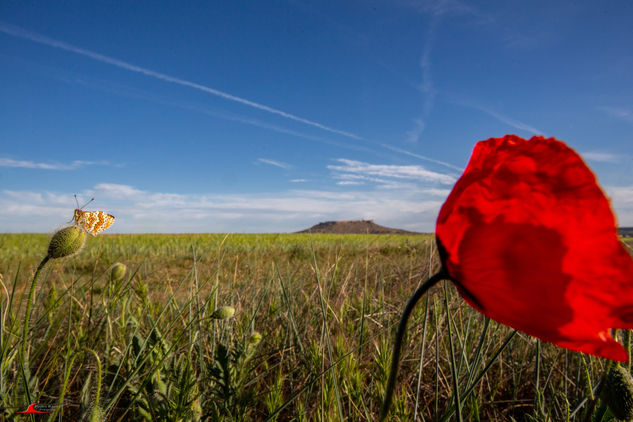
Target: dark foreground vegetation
(310, 338)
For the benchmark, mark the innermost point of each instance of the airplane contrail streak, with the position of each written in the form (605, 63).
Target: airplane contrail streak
(41, 39)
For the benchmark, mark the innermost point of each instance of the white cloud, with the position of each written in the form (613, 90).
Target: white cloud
(358, 169)
(116, 191)
(26, 197)
(138, 210)
(442, 193)
(9, 162)
(358, 179)
(28, 210)
(618, 112)
(622, 202)
(413, 135)
(298, 180)
(274, 163)
(621, 194)
(426, 86)
(601, 157)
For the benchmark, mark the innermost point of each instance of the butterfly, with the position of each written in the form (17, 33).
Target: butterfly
(92, 222)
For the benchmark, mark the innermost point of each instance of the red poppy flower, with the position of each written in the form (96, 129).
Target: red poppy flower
(530, 240)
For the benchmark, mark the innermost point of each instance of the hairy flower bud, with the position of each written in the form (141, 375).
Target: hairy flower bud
(97, 414)
(118, 271)
(618, 393)
(223, 312)
(66, 242)
(255, 338)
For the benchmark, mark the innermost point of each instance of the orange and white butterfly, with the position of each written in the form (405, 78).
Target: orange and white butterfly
(92, 222)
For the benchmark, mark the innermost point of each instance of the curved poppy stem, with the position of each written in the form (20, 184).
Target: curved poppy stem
(397, 345)
(29, 304)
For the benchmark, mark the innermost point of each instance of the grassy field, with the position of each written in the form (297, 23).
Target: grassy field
(310, 338)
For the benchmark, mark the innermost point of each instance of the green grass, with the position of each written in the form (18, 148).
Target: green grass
(146, 348)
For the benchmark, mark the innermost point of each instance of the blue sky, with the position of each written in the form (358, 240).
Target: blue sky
(274, 116)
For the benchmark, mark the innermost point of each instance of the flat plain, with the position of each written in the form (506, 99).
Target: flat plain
(310, 338)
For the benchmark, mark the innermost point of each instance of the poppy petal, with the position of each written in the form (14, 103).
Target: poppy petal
(530, 240)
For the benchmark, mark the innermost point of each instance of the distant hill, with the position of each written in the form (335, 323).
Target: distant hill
(353, 227)
(625, 231)
(368, 226)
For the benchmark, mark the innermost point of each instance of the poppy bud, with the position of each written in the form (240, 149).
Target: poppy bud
(254, 339)
(97, 414)
(66, 242)
(118, 271)
(223, 312)
(618, 393)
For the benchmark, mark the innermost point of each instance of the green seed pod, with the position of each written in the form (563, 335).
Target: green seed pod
(223, 312)
(118, 271)
(617, 393)
(66, 242)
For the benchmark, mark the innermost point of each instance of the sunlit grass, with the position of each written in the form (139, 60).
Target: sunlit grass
(146, 347)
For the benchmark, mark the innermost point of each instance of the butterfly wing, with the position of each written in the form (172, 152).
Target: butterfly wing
(93, 222)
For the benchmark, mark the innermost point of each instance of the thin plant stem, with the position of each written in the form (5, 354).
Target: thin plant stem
(566, 372)
(537, 377)
(99, 375)
(397, 346)
(595, 395)
(426, 317)
(587, 377)
(437, 361)
(477, 360)
(29, 304)
(483, 372)
(417, 393)
(326, 332)
(492, 359)
(456, 400)
(627, 344)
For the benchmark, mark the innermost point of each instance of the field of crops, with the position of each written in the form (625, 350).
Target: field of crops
(310, 338)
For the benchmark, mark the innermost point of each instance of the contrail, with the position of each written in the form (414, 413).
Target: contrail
(502, 118)
(139, 94)
(422, 157)
(41, 39)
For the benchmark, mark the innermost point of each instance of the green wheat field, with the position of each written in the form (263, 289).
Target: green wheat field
(310, 338)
